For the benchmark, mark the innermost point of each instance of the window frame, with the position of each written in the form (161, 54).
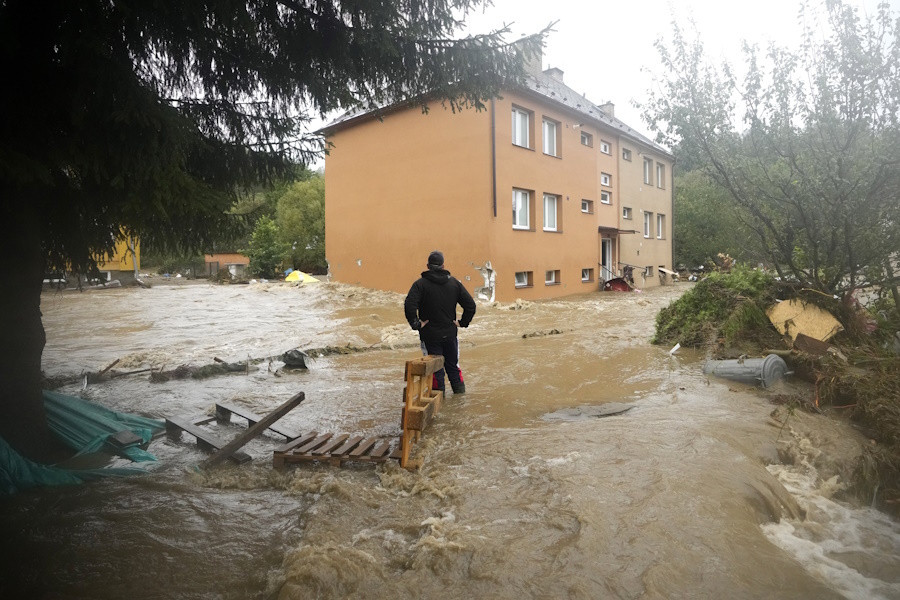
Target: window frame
(528, 275)
(626, 212)
(590, 275)
(626, 154)
(660, 175)
(529, 115)
(648, 224)
(528, 211)
(545, 122)
(555, 212)
(605, 194)
(660, 226)
(606, 179)
(554, 277)
(605, 147)
(648, 171)
(589, 137)
(590, 206)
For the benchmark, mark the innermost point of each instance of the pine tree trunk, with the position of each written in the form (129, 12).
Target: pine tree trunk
(22, 419)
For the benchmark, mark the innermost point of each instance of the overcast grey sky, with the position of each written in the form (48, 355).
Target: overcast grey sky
(606, 48)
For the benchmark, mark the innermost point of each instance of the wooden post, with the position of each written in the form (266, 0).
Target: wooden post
(252, 431)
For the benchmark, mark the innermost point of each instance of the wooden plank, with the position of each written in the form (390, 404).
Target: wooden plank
(205, 439)
(314, 444)
(363, 446)
(297, 442)
(424, 366)
(253, 431)
(419, 417)
(332, 444)
(381, 449)
(224, 412)
(348, 445)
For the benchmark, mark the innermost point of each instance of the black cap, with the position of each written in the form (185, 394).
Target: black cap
(436, 260)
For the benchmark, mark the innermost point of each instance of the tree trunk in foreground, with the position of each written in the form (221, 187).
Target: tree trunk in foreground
(23, 422)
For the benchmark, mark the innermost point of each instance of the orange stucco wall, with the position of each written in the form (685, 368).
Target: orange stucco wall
(400, 187)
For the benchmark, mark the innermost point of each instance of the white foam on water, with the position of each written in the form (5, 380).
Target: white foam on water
(856, 551)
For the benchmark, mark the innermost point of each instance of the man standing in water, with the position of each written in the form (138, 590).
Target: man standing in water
(430, 308)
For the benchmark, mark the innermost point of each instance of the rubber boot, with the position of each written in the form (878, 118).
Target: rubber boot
(458, 388)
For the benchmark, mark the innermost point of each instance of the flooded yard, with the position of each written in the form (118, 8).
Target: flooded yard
(522, 494)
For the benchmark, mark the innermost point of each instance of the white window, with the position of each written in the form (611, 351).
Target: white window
(648, 223)
(587, 139)
(551, 277)
(648, 171)
(605, 179)
(521, 124)
(604, 147)
(521, 205)
(587, 206)
(660, 226)
(626, 154)
(660, 175)
(648, 271)
(626, 212)
(523, 278)
(605, 197)
(587, 275)
(550, 204)
(550, 137)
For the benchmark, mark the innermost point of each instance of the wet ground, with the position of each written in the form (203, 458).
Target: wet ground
(530, 487)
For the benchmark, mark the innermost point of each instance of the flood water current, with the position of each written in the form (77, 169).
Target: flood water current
(525, 492)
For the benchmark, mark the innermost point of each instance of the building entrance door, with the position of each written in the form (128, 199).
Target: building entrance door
(606, 271)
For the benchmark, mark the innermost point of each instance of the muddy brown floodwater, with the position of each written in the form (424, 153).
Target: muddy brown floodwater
(522, 495)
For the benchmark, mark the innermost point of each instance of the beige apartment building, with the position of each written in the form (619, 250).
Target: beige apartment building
(527, 199)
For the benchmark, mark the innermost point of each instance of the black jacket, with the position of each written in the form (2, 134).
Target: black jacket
(433, 298)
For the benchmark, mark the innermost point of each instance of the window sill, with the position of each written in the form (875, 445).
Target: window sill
(553, 155)
(551, 283)
(587, 212)
(522, 228)
(520, 287)
(552, 231)
(515, 145)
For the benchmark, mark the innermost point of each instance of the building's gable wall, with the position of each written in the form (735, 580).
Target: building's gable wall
(398, 188)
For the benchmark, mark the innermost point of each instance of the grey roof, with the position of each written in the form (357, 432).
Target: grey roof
(558, 92)
(542, 85)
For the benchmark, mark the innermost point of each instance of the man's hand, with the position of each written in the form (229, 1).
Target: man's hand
(456, 322)
(422, 324)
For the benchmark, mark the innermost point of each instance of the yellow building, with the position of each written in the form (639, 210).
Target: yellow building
(126, 260)
(525, 199)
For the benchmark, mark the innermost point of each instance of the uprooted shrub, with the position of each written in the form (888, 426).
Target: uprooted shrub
(730, 306)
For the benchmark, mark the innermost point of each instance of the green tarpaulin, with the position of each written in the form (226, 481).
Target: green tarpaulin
(85, 427)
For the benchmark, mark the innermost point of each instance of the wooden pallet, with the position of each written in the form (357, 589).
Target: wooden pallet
(335, 449)
(420, 405)
(176, 425)
(224, 412)
(222, 451)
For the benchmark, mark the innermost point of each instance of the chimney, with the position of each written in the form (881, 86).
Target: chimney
(609, 109)
(555, 74)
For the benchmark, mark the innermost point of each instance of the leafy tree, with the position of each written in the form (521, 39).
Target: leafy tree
(705, 225)
(813, 173)
(301, 224)
(148, 117)
(266, 252)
